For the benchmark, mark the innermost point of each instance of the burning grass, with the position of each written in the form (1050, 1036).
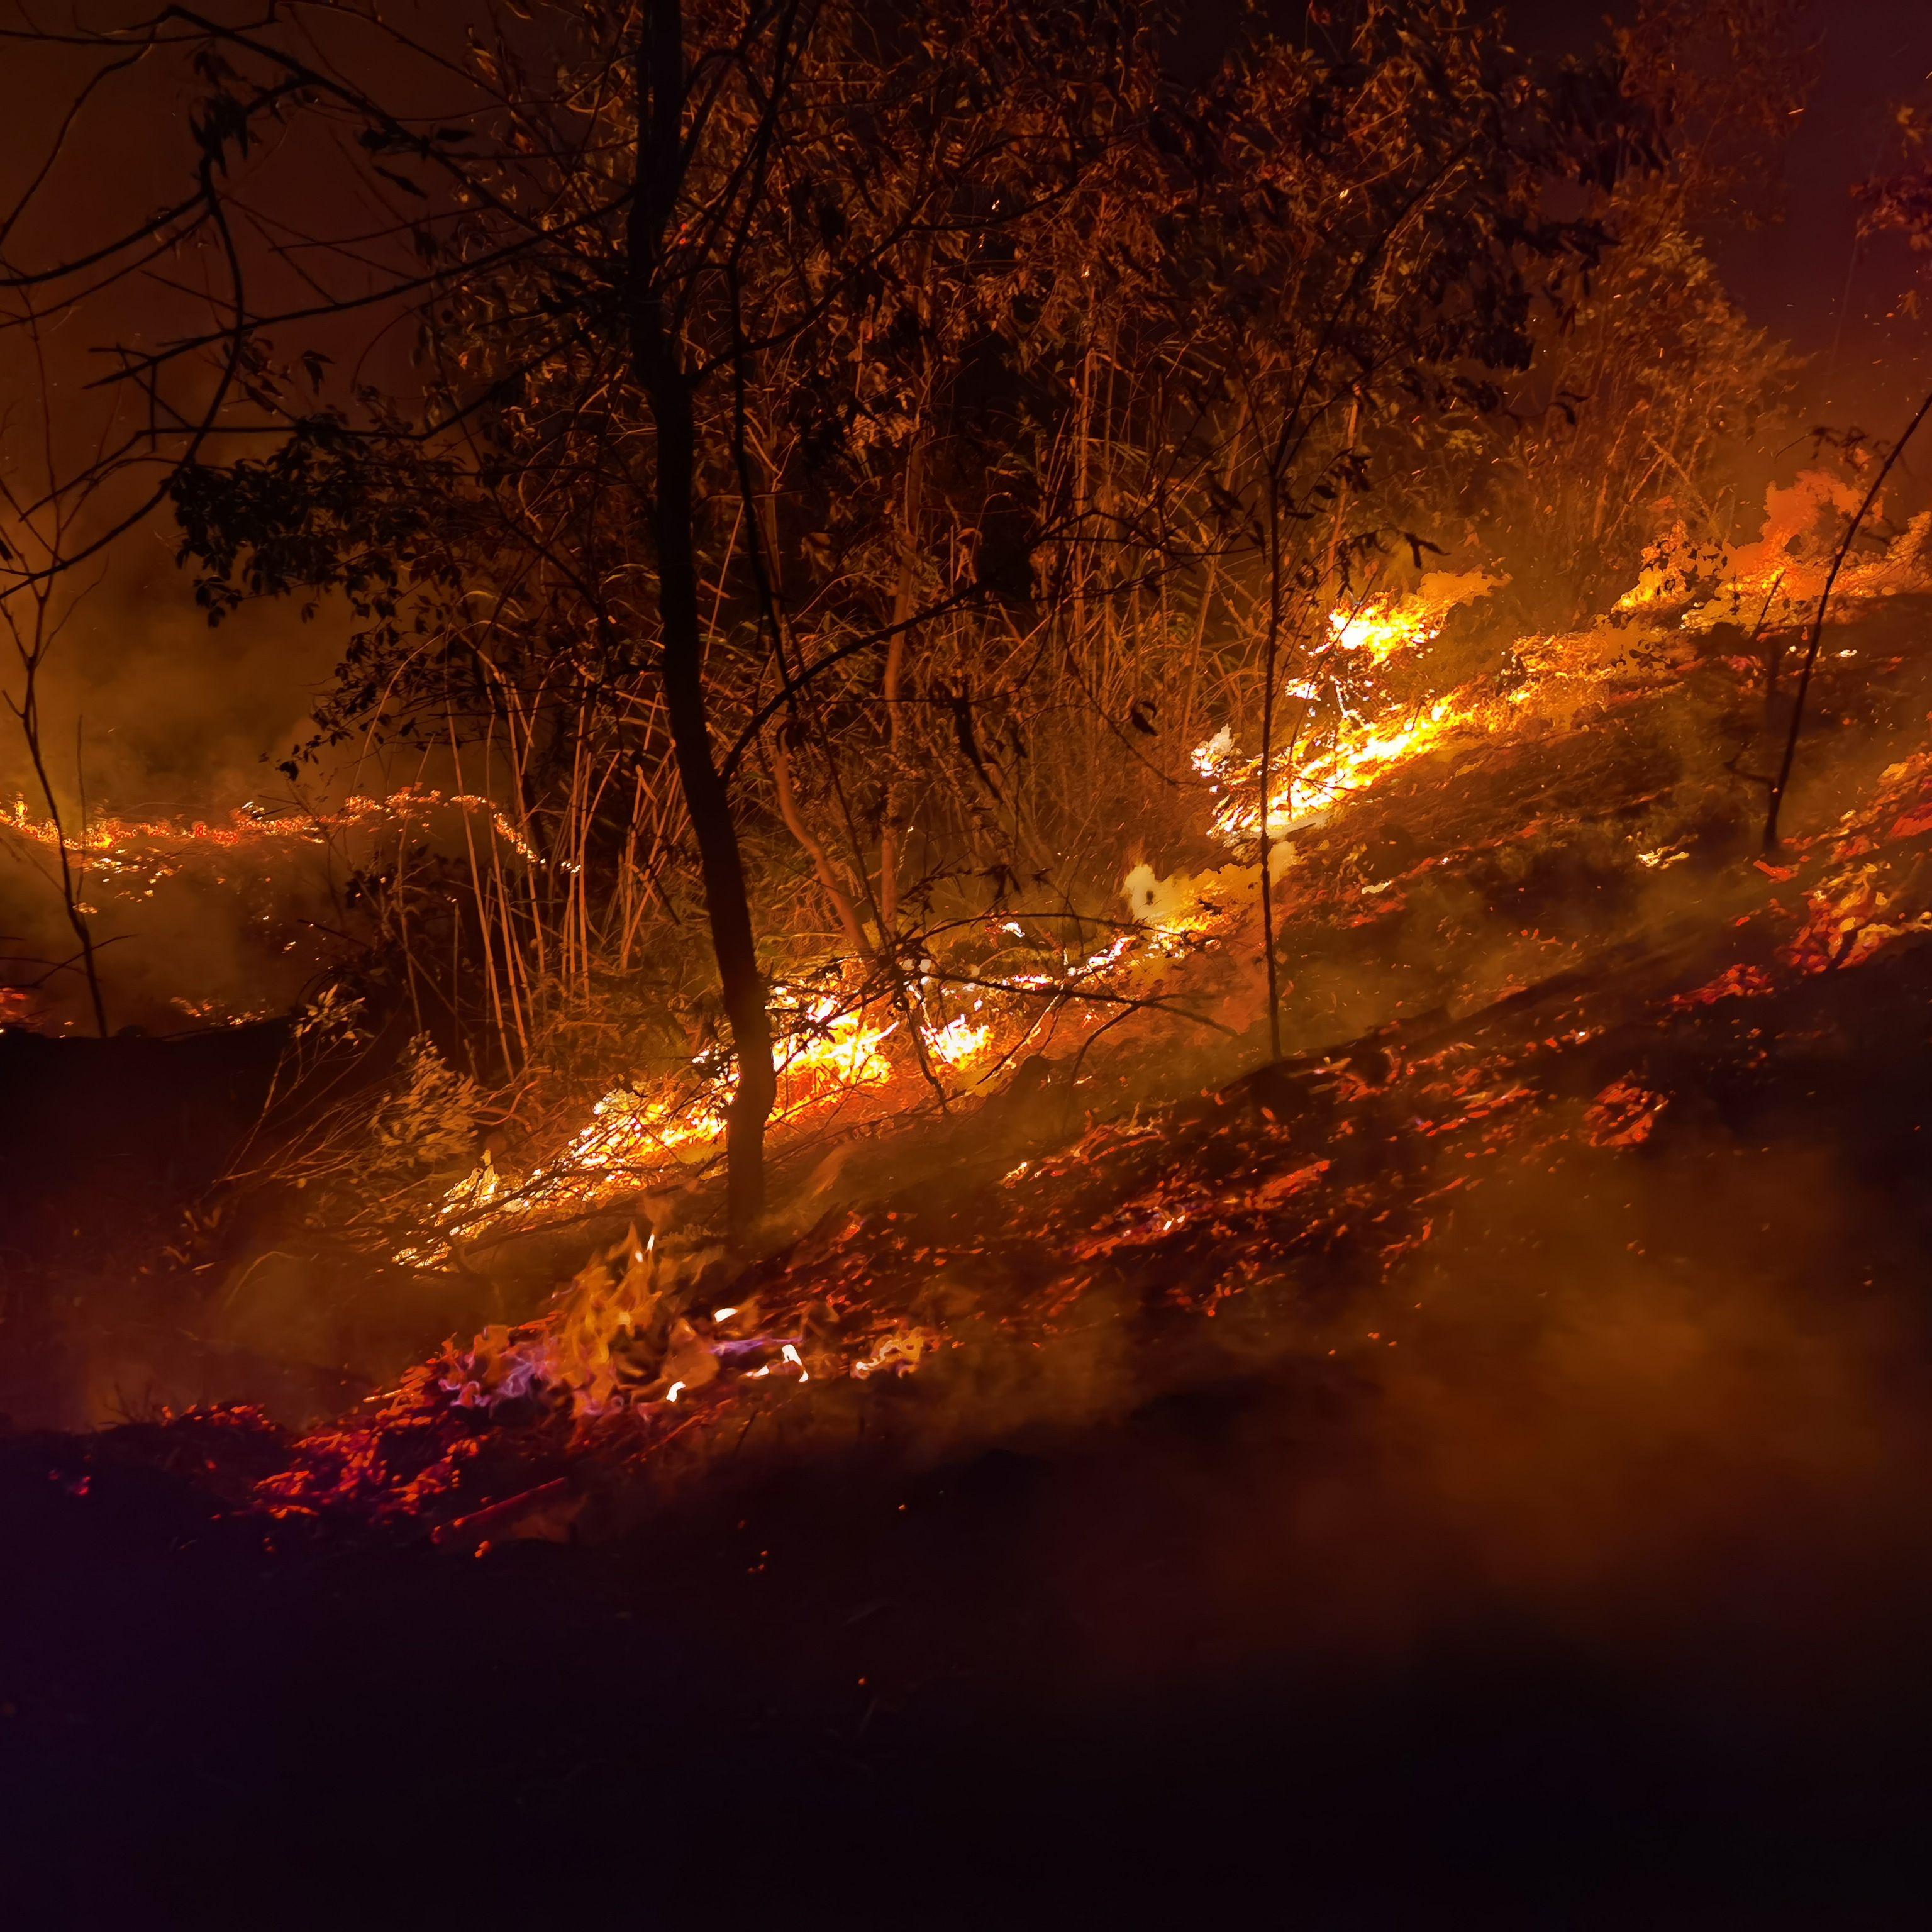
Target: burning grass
(1491, 858)
(1342, 796)
(1293, 1209)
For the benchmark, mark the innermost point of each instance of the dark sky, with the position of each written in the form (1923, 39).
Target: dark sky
(1804, 275)
(1809, 278)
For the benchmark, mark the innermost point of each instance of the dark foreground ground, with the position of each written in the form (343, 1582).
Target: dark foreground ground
(1540, 1534)
(1244, 1656)
(1601, 1599)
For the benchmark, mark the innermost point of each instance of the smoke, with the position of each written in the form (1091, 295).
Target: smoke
(148, 713)
(1609, 1503)
(1665, 1412)
(174, 716)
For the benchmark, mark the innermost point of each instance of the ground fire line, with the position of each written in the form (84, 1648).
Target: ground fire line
(1292, 1202)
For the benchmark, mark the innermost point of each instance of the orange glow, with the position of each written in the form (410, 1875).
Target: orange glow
(1382, 627)
(959, 1042)
(161, 847)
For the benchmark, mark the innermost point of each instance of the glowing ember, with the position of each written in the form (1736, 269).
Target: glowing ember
(159, 848)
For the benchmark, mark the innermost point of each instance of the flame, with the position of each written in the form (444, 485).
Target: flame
(1379, 626)
(1382, 627)
(611, 1343)
(161, 847)
(959, 1042)
(1359, 753)
(628, 1333)
(1776, 579)
(825, 1055)
(834, 1051)
(843, 1046)
(898, 1353)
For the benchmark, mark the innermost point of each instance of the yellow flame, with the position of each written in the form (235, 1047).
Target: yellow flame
(959, 1042)
(826, 1054)
(161, 846)
(1361, 752)
(845, 1045)
(1382, 627)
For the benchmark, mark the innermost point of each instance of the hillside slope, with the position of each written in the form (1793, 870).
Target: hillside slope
(1480, 1465)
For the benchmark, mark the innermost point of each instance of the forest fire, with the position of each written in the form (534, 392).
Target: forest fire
(616, 1341)
(1088, 1002)
(150, 850)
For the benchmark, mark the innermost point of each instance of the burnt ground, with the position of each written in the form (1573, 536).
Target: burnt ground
(113, 1206)
(1586, 1582)
(1525, 1521)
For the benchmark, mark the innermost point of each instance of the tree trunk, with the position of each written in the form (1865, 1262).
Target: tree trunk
(1844, 551)
(834, 888)
(895, 808)
(658, 368)
(1270, 658)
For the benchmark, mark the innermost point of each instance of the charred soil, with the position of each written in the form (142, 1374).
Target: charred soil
(1566, 1561)
(1480, 1466)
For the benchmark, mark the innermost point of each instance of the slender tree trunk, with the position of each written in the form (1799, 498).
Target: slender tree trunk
(1783, 779)
(667, 387)
(27, 713)
(1270, 659)
(834, 888)
(896, 809)
(1341, 516)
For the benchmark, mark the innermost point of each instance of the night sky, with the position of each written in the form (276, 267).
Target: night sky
(1802, 272)
(173, 717)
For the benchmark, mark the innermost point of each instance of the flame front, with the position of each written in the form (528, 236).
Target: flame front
(1344, 734)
